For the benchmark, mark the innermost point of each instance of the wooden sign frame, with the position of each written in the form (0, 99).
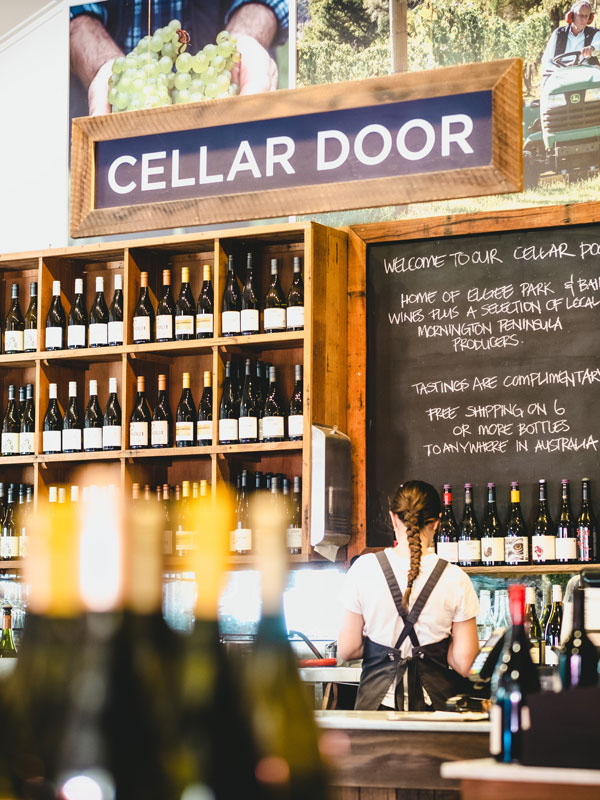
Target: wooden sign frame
(503, 174)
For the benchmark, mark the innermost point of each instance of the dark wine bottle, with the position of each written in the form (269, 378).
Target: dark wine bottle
(204, 422)
(543, 534)
(78, 319)
(533, 628)
(161, 427)
(545, 615)
(115, 314)
(296, 415)
(143, 315)
(250, 313)
(249, 409)
(228, 410)
(53, 423)
(111, 423)
(165, 311)
(585, 526)
(185, 309)
(566, 532)
(260, 395)
(492, 535)
(553, 626)
(294, 530)
(98, 328)
(275, 305)
(30, 333)
(516, 542)
(185, 420)
(20, 406)
(516, 680)
(26, 439)
(93, 421)
(205, 306)
(11, 426)
(9, 541)
(231, 306)
(447, 533)
(578, 660)
(14, 328)
(469, 538)
(72, 423)
(295, 300)
(56, 321)
(139, 421)
(273, 416)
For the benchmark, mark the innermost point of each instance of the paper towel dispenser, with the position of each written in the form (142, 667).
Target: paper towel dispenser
(330, 506)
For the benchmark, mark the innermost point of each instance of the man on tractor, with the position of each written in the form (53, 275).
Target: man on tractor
(577, 35)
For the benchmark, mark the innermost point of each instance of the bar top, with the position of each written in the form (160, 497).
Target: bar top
(330, 674)
(488, 769)
(436, 721)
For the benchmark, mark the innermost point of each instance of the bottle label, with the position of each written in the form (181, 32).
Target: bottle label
(30, 339)
(115, 332)
(294, 317)
(54, 338)
(138, 434)
(159, 432)
(141, 329)
(167, 543)
(92, 438)
(14, 340)
(275, 319)
(98, 334)
(294, 538)
(75, 335)
(516, 549)
(228, 430)
(71, 439)
(248, 428)
(495, 730)
(230, 322)
(204, 323)
(448, 550)
(469, 550)
(184, 541)
(240, 540)
(551, 657)
(295, 425)
(11, 444)
(204, 431)
(260, 430)
(184, 431)
(184, 325)
(9, 547)
(52, 441)
(250, 322)
(543, 548)
(583, 542)
(111, 436)
(23, 544)
(164, 326)
(26, 443)
(272, 427)
(492, 549)
(566, 548)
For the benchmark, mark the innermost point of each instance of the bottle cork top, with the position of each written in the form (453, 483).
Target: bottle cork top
(185, 274)
(206, 272)
(143, 278)
(141, 383)
(186, 380)
(207, 377)
(166, 277)
(162, 382)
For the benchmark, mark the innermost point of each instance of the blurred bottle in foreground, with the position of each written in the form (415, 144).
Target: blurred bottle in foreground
(578, 660)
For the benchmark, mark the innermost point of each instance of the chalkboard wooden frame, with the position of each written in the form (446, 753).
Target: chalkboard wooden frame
(359, 236)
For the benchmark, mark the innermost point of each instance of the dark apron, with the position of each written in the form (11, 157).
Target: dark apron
(427, 668)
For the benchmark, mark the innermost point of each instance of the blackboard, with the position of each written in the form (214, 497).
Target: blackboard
(483, 364)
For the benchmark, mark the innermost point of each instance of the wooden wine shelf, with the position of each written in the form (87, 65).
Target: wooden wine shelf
(529, 569)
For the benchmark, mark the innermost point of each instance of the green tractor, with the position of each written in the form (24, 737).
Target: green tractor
(561, 130)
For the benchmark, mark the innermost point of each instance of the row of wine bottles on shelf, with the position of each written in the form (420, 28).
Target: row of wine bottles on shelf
(16, 507)
(571, 540)
(18, 423)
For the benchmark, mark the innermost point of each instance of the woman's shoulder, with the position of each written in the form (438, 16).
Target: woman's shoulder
(452, 572)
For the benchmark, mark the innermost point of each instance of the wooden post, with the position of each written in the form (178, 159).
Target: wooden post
(398, 36)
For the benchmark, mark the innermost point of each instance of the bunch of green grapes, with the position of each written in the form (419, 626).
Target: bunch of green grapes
(159, 71)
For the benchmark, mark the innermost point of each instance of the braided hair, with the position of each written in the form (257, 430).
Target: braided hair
(417, 504)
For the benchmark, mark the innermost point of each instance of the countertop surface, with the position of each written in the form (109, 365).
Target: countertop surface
(437, 721)
(330, 674)
(489, 769)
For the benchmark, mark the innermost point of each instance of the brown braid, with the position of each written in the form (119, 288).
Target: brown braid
(417, 504)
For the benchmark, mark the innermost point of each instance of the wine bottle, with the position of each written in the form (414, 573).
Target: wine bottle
(492, 535)
(30, 333)
(585, 526)
(543, 535)
(533, 629)
(165, 311)
(273, 418)
(98, 328)
(294, 530)
(139, 421)
(11, 426)
(185, 309)
(553, 626)
(27, 427)
(275, 305)
(21, 407)
(14, 328)
(53, 423)
(161, 426)
(296, 415)
(143, 314)
(115, 314)
(566, 533)
(545, 615)
(249, 410)
(93, 421)
(25, 520)
(241, 535)
(78, 319)
(184, 539)
(56, 321)
(204, 423)
(295, 300)
(259, 386)
(167, 535)
(447, 533)
(228, 410)
(516, 680)
(516, 543)
(231, 306)
(72, 423)
(205, 306)
(469, 538)
(185, 421)
(7, 643)
(578, 659)
(9, 541)
(111, 423)
(250, 313)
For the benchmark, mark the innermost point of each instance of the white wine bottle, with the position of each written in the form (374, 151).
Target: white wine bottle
(185, 418)
(165, 311)
(143, 314)
(204, 423)
(111, 423)
(78, 319)
(93, 421)
(11, 426)
(98, 327)
(56, 321)
(14, 328)
(72, 423)
(53, 423)
(275, 304)
(295, 300)
(115, 314)
(205, 306)
(185, 309)
(161, 425)
(31, 318)
(139, 421)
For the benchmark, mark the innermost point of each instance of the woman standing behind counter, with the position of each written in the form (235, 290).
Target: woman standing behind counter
(409, 614)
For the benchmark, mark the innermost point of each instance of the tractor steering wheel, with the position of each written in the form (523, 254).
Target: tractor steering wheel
(571, 59)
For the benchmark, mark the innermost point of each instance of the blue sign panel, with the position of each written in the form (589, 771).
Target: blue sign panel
(348, 145)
